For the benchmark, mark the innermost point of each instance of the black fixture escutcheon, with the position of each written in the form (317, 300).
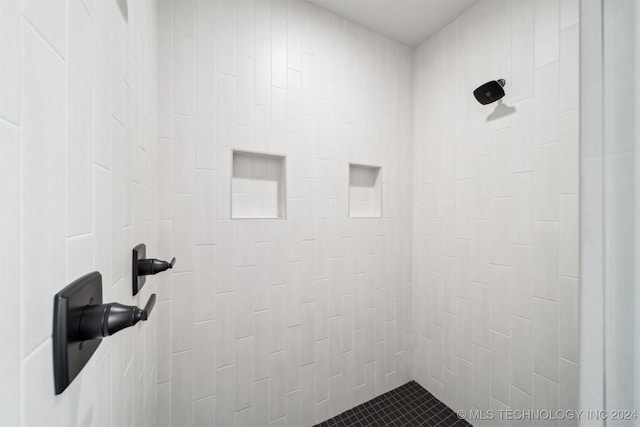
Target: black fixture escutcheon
(81, 320)
(141, 267)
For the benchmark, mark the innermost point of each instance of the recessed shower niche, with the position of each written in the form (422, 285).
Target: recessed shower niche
(258, 186)
(365, 191)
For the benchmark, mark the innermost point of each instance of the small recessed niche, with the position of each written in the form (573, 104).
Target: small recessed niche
(258, 186)
(365, 191)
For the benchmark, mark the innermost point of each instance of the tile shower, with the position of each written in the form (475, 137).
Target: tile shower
(345, 216)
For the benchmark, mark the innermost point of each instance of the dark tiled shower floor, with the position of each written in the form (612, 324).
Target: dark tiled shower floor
(409, 405)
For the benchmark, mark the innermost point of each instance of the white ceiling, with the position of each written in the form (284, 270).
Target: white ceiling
(408, 21)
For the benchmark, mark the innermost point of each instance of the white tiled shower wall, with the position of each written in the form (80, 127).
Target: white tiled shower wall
(288, 322)
(77, 130)
(495, 267)
(280, 322)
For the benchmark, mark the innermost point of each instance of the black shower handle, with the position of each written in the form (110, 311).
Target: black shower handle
(103, 320)
(151, 266)
(150, 304)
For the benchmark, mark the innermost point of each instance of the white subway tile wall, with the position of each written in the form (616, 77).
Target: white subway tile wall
(118, 122)
(78, 120)
(496, 209)
(289, 322)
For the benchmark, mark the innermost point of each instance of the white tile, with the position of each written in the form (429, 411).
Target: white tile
(184, 18)
(10, 72)
(243, 281)
(521, 84)
(10, 272)
(293, 409)
(568, 386)
(103, 68)
(243, 373)
(263, 68)
(79, 256)
(545, 397)
(164, 162)
(545, 179)
(163, 310)
(544, 273)
(184, 155)
(521, 138)
(43, 175)
(481, 315)
(569, 13)
(224, 399)
(204, 411)
(521, 401)
(521, 354)
(182, 388)
(520, 280)
(182, 312)
(464, 389)
(38, 402)
(165, 97)
(245, 27)
(183, 231)
(184, 85)
(500, 367)
(243, 417)
(205, 283)
(226, 111)
(568, 318)
(226, 37)
(546, 99)
(545, 339)
(309, 83)
(102, 401)
(279, 55)
(499, 229)
(449, 329)
(261, 406)
(294, 36)
(465, 325)
(308, 333)
(206, 46)
(481, 377)
(245, 96)
(164, 251)
(546, 29)
(568, 156)
(568, 236)
(520, 209)
(278, 385)
(521, 13)
(164, 404)
(205, 223)
(49, 18)
(223, 189)
(206, 152)
(500, 299)
(294, 102)
(569, 67)
(322, 370)
(262, 16)
(203, 359)
(80, 121)
(261, 347)
(307, 393)
(224, 337)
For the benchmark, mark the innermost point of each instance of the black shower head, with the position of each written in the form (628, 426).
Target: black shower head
(490, 91)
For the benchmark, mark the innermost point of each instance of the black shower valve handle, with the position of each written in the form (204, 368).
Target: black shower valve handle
(151, 266)
(103, 320)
